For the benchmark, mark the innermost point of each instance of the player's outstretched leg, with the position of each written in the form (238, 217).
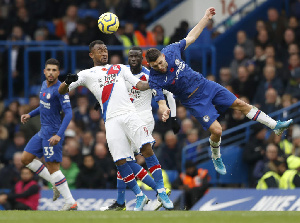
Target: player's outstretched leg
(155, 170)
(62, 186)
(119, 204)
(39, 168)
(129, 179)
(255, 114)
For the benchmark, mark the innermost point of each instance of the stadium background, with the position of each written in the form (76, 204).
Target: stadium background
(257, 65)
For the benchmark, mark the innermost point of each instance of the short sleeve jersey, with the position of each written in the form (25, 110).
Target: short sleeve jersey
(140, 99)
(179, 79)
(51, 105)
(107, 83)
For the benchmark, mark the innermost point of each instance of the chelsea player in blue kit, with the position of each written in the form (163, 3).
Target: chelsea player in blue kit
(199, 95)
(48, 141)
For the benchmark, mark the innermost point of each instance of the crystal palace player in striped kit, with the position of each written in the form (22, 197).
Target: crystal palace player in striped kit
(123, 125)
(48, 141)
(199, 95)
(142, 103)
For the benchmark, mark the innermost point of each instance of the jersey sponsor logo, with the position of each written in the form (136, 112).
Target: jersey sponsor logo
(206, 118)
(45, 104)
(134, 93)
(180, 65)
(154, 92)
(48, 96)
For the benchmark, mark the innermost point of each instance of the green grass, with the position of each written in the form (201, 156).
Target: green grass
(148, 217)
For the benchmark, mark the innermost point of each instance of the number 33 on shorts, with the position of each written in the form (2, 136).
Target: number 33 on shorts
(48, 151)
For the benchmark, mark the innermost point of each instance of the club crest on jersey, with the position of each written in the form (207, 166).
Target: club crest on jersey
(48, 96)
(66, 97)
(206, 118)
(177, 62)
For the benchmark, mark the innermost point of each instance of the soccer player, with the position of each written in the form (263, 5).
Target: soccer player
(48, 141)
(123, 126)
(142, 103)
(199, 95)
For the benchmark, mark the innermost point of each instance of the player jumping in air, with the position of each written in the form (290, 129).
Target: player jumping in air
(142, 103)
(196, 93)
(123, 125)
(48, 141)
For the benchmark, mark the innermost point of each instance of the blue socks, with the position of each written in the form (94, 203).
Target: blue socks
(129, 178)
(155, 170)
(121, 186)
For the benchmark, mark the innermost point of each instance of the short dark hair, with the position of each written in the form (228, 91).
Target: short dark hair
(53, 61)
(92, 44)
(152, 54)
(136, 48)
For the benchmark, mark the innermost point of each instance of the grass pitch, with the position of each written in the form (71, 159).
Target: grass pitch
(148, 217)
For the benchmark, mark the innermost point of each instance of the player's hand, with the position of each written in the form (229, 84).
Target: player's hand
(54, 140)
(210, 12)
(97, 106)
(165, 115)
(25, 118)
(3, 198)
(71, 78)
(175, 125)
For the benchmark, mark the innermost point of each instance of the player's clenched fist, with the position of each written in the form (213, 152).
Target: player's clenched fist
(71, 78)
(25, 118)
(210, 12)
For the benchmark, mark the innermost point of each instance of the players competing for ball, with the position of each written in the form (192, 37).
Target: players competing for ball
(48, 141)
(123, 125)
(199, 95)
(142, 102)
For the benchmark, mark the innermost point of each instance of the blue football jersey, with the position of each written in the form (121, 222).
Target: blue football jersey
(179, 79)
(51, 105)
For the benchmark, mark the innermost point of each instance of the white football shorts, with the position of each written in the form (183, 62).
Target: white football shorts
(122, 132)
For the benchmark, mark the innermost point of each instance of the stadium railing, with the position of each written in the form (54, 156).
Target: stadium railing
(241, 135)
(69, 57)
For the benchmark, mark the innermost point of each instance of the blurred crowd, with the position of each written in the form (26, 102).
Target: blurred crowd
(265, 72)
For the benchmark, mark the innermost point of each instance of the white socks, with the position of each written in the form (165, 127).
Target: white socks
(62, 186)
(260, 116)
(215, 149)
(39, 168)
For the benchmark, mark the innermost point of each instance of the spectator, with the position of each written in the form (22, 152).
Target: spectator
(263, 166)
(294, 25)
(171, 153)
(3, 143)
(159, 144)
(275, 24)
(23, 20)
(73, 150)
(194, 182)
(180, 32)
(291, 178)
(88, 143)
(272, 102)
(18, 145)
(25, 195)
(90, 175)
(244, 42)
(270, 82)
(239, 60)
(241, 84)
(159, 35)
(81, 112)
(259, 58)
(263, 39)
(10, 174)
(293, 87)
(225, 76)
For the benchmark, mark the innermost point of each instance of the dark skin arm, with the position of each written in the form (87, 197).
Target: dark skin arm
(143, 85)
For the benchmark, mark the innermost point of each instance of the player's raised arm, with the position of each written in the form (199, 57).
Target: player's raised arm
(197, 30)
(64, 87)
(164, 109)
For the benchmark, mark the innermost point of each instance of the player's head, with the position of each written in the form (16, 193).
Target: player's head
(156, 60)
(98, 53)
(135, 57)
(51, 70)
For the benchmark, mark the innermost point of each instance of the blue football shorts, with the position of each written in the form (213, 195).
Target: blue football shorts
(206, 102)
(40, 147)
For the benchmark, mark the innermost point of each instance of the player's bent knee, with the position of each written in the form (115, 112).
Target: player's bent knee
(216, 131)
